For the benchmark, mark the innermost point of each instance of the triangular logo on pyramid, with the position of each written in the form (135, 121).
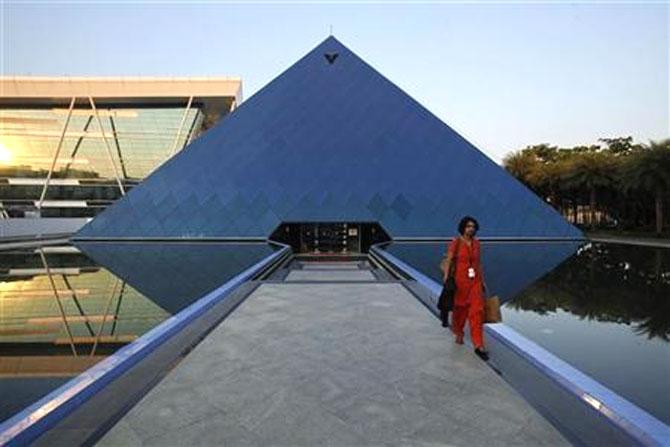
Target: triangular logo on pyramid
(330, 57)
(329, 126)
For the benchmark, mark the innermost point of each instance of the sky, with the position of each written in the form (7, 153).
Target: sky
(504, 75)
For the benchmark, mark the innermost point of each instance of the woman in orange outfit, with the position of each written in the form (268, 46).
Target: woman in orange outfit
(470, 285)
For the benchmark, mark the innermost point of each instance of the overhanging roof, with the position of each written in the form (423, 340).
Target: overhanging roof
(212, 93)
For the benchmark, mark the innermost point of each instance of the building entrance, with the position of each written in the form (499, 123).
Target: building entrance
(330, 237)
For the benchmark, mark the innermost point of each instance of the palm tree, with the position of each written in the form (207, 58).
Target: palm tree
(522, 164)
(648, 170)
(590, 171)
(547, 179)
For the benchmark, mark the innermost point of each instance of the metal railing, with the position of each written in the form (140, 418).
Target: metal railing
(585, 409)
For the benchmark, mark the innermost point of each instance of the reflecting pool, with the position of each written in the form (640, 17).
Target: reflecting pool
(64, 308)
(604, 308)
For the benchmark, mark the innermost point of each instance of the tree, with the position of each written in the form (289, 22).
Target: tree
(543, 152)
(627, 181)
(522, 164)
(590, 172)
(547, 179)
(621, 145)
(648, 170)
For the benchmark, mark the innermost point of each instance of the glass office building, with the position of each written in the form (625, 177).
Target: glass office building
(71, 146)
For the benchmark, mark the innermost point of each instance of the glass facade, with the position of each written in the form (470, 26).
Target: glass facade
(99, 149)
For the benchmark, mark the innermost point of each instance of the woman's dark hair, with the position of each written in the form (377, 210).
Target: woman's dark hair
(466, 220)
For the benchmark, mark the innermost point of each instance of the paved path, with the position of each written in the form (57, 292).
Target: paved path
(332, 363)
(330, 275)
(642, 241)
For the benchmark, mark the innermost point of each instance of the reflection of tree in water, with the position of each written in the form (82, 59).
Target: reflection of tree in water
(611, 283)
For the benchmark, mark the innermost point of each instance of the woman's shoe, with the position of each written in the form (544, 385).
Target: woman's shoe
(459, 340)
(482, 354)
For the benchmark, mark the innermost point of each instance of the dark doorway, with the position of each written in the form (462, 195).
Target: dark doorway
(330, 237)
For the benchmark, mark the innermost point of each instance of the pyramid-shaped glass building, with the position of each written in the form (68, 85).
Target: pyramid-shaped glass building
(329, 140)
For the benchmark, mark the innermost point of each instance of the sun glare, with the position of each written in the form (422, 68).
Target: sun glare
(5, 154)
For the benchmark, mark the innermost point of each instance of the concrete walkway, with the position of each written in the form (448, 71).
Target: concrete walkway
(332, 363)
(631, 240)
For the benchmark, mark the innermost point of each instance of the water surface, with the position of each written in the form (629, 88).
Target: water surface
(63, 309)
(604, 308)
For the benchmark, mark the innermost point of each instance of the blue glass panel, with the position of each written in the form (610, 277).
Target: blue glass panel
(339, 128)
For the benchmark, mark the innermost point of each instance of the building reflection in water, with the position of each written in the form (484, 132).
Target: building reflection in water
(59, 315)
(64, 308)
(55, 302)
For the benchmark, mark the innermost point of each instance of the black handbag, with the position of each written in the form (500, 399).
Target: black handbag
(445, 302)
